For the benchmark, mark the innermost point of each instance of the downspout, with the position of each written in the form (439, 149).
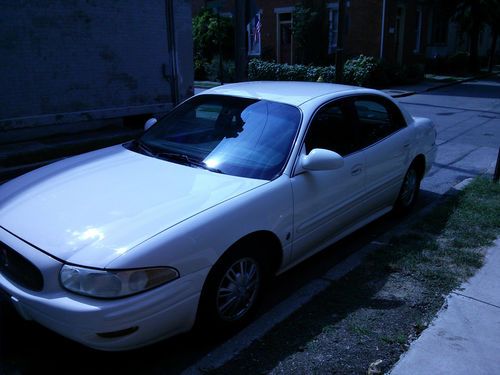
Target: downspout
(382, 31)
(169, 7)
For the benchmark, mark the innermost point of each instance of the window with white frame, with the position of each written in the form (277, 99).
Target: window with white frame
(284, 37)
(253, 33)
(333, 26)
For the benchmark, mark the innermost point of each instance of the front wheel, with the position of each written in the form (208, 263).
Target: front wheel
(409, 191)
(232, 291)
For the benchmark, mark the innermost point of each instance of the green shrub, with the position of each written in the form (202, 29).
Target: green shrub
(388, 74)
(359, 70)
(259, 70)
(454, 64)
(326, 74)
(199, 68)
(414, 73)
(212, 70)
(458, 63)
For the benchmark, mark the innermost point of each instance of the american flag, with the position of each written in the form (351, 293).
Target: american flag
(256, 28)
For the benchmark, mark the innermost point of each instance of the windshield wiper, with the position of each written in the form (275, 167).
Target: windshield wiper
(178, 157)
(145, 148)
(183, 158)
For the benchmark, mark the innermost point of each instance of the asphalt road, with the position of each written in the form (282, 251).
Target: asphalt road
(468, 122)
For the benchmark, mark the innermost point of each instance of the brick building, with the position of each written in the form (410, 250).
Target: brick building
(399, 31)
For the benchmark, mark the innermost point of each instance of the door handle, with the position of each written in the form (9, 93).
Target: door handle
(356, 170)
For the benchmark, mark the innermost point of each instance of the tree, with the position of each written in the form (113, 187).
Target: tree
(472, 16)
(493, 21)
(212, 35)
(307, 31)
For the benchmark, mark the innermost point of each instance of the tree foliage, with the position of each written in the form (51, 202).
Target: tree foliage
(303, 21)
(472, 16)
(208, 31)
(306, 31)
(213, 36)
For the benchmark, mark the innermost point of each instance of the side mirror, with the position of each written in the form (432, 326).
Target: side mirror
(322, 160)
(150, 123)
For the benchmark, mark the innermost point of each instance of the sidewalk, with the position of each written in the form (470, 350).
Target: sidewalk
(433, 82)
(465, 336)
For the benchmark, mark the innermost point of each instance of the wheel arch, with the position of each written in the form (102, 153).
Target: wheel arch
(266, 243)
(262, 240)
(419, 162)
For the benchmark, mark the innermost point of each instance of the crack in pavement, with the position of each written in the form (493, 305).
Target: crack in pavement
(475, 126)
(476, 299)
(440, 166)
(456, 123)
(452, 108)
(449, 166)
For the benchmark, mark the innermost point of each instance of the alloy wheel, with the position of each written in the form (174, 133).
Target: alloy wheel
(238, 289)
(409, 187)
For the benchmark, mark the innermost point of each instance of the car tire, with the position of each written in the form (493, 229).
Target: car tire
(233, 289)
(408, 193)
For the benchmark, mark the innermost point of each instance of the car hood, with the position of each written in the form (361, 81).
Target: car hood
(91, 208)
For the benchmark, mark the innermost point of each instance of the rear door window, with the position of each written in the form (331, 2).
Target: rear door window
(377, 119)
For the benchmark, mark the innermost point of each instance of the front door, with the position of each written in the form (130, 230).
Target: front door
(326, 203)
(284, 38)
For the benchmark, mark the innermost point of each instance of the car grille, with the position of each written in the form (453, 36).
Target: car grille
(19, 270)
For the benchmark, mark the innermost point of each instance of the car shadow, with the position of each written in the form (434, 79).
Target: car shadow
(488, 88)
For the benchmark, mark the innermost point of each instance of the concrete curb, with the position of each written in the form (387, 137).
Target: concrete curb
(447, 84)
(403, 93)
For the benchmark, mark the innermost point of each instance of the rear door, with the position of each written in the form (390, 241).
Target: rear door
(385, 140)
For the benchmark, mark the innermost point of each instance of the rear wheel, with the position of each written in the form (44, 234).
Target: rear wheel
(409, 191)
(233, 289)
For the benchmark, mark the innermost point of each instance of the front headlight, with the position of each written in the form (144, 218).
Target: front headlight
(111, 283)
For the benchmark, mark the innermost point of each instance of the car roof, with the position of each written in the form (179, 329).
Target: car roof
(289, 92)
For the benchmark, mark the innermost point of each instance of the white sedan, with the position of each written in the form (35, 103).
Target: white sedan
(124, 246)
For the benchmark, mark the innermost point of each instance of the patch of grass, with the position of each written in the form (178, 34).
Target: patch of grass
(444, 248)
(398, 338)
(328, 328)
(360, 330)
(420, 326)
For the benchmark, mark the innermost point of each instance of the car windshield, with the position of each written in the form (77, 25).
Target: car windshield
(230, 135)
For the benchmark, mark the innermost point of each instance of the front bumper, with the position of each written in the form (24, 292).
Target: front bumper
(158, 313)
